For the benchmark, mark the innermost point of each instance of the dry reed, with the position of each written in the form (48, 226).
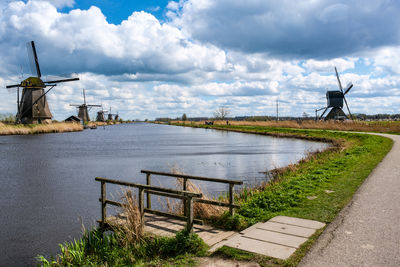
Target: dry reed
(200, 210)
(59, 127)
(132, 226)
(362, 126)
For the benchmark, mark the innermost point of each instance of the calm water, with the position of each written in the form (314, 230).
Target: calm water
(48, 187)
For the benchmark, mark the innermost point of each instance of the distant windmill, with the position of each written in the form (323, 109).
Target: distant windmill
(33, 106)
(100, 115)
(110, 115)
(335, 102)
(83, 109)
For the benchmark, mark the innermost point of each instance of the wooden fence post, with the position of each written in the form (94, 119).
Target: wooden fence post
(231, 199)
(141, 206)
(184, 200)
(189, 205)
(148, 196)
(103, 204)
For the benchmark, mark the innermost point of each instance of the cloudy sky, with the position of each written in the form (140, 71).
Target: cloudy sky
(157, 58)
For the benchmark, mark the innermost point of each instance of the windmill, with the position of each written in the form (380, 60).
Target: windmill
(100, 115)
(335, 102)
(83, 109)
(33, 106)
(110, 115)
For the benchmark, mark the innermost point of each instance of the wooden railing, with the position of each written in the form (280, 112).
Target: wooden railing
(185, 178)
(186, 196)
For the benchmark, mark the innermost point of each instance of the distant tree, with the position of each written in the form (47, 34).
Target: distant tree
(7, 117)
(221, 113)
(184, 117)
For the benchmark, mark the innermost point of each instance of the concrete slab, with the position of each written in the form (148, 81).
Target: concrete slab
(287, 229)
(276, 238)
(298, 222)
(260, 247)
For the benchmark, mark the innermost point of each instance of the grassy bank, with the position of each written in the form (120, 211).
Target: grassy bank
(24, 129)
(316, 188)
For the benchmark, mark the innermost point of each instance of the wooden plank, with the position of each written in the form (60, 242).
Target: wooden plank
(219, 180)
(164, 194)
(171, 215)
(156, 188)
(213, 202)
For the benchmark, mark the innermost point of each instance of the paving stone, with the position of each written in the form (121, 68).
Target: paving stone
(286, 229)
(251, 228)
(260, 247)
(298, 222)
(276, 238)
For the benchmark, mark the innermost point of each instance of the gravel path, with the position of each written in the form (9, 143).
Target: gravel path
(367, 231)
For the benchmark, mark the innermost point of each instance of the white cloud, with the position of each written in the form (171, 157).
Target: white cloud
(329, 65)
(144, 68)
(85, 42)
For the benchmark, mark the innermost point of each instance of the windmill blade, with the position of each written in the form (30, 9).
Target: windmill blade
(62, 80)
(94, 106)
(75, 105)
(348, 87)
(323, 113)
(340, 84)
(345, 101)
(12, 86)
(33, 58)
(84, 97)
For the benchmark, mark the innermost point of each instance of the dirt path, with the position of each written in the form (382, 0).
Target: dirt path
(367, 231)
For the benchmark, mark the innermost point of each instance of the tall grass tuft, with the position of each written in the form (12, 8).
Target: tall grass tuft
(132, 227)
(200, 210)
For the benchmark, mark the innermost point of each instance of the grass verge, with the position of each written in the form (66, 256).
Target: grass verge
(316, 188)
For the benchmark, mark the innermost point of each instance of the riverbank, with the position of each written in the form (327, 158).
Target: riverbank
(392, 127)
(25, 129)
(316, 188)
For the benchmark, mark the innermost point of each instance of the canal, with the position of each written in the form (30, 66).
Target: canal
(47, 181)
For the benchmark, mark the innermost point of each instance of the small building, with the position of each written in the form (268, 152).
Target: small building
(73, 118)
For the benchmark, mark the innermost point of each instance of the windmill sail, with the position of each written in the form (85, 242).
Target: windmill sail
(33, 58)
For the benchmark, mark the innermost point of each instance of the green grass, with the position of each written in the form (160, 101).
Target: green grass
(341, 170)
(95, 250)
